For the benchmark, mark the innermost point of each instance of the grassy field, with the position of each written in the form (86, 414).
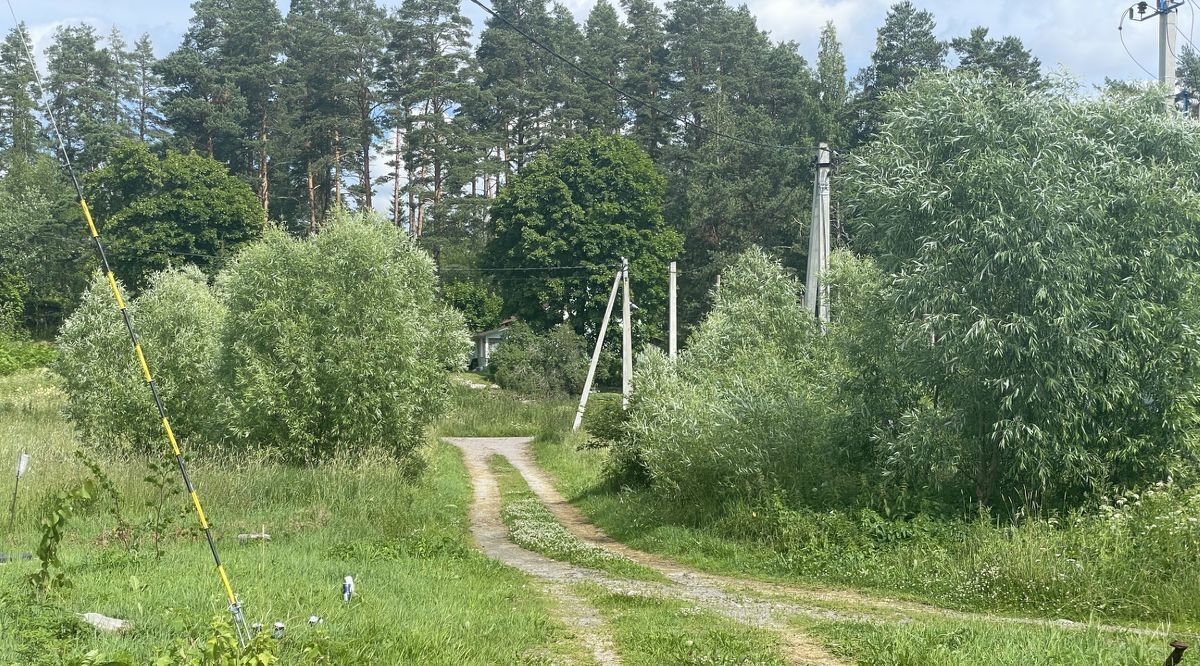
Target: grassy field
(959, 643)
(1036, 569)
(424, 593)
(649, 632)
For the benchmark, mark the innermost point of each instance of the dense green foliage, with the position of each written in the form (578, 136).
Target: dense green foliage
(337, 342)
(305, 348)
(480, 306)
(182, 208)
(1022, 335)
(752, 374)
(179, 322)
(1045, 268)
(590, 202)
(549, 364)
(22, 354)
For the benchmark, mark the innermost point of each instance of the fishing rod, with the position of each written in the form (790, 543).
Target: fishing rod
(235, 607)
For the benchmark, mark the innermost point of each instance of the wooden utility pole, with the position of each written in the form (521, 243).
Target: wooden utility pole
(816, 290)
(626, 338)
(673, 335)
(591, 373)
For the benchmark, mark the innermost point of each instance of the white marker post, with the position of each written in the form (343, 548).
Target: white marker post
(22, 467)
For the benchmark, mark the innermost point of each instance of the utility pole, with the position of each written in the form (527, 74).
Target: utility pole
(626, 338)
(1166, 49)
(816, 290)
(1167, 12)
(591, 374)
(673, 336)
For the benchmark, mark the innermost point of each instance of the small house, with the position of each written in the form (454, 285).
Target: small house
(486, 343)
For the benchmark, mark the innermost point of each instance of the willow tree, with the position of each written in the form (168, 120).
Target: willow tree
(1043, 254)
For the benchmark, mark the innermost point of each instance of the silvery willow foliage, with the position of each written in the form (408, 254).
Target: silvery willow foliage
(337, 341)
(1042, 253)
(742, 409)
(179, 321)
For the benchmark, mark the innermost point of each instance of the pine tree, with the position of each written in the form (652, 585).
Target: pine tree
(19, 128)
(905, 48)
(832, 89)
(429, 78)
(316, 105)
(361, 35)
(603, 55)
(148, 122)
(221, 82)
(514, 77)
(646, 73)
(1006, 57)
(81, 95)
(122, 84)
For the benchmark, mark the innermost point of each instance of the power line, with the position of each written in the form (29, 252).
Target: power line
(1121, 34)
(529, 268)
(628, 95)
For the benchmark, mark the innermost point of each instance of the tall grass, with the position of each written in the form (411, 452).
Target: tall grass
(424, 593)
(1137, 560)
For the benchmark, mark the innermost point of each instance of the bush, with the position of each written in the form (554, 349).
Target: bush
(337, 341)
(1045, 267)
(744, 410)
(178, 321)
(550, 364)
(481, 307)
(21, 354)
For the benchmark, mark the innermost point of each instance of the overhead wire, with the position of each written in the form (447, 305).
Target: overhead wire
(235, 607)
(1121, 34)
(637, 99)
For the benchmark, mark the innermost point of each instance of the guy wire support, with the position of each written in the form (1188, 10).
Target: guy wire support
(235, 607)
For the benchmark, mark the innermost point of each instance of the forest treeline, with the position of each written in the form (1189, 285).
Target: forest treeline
(346, 101)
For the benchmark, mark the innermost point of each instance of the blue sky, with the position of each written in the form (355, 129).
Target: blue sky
(1080, 37)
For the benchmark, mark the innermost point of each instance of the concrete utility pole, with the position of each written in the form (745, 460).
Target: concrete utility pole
(1167, 12)
(591, 373)
(1166, 49)
(673, 336)
(816, 291)
(626, 338)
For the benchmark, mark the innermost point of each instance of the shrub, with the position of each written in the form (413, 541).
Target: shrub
(481, 307)
(21, 354)
(548, 365)
(178, 320)
(337, 341)
(1045, 267)
(743, 410)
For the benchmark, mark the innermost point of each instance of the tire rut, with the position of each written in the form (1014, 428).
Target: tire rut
(492, 536)
(517, 451)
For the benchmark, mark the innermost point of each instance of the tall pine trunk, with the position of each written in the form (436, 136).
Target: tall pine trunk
(263, 169)
(396, 182)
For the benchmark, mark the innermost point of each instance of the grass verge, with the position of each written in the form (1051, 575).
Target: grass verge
(958, 643)
(532, 526)
(1080, 571)
(425, 595)
(653, 631)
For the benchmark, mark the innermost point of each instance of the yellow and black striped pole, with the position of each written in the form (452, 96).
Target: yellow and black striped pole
(235, 607)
